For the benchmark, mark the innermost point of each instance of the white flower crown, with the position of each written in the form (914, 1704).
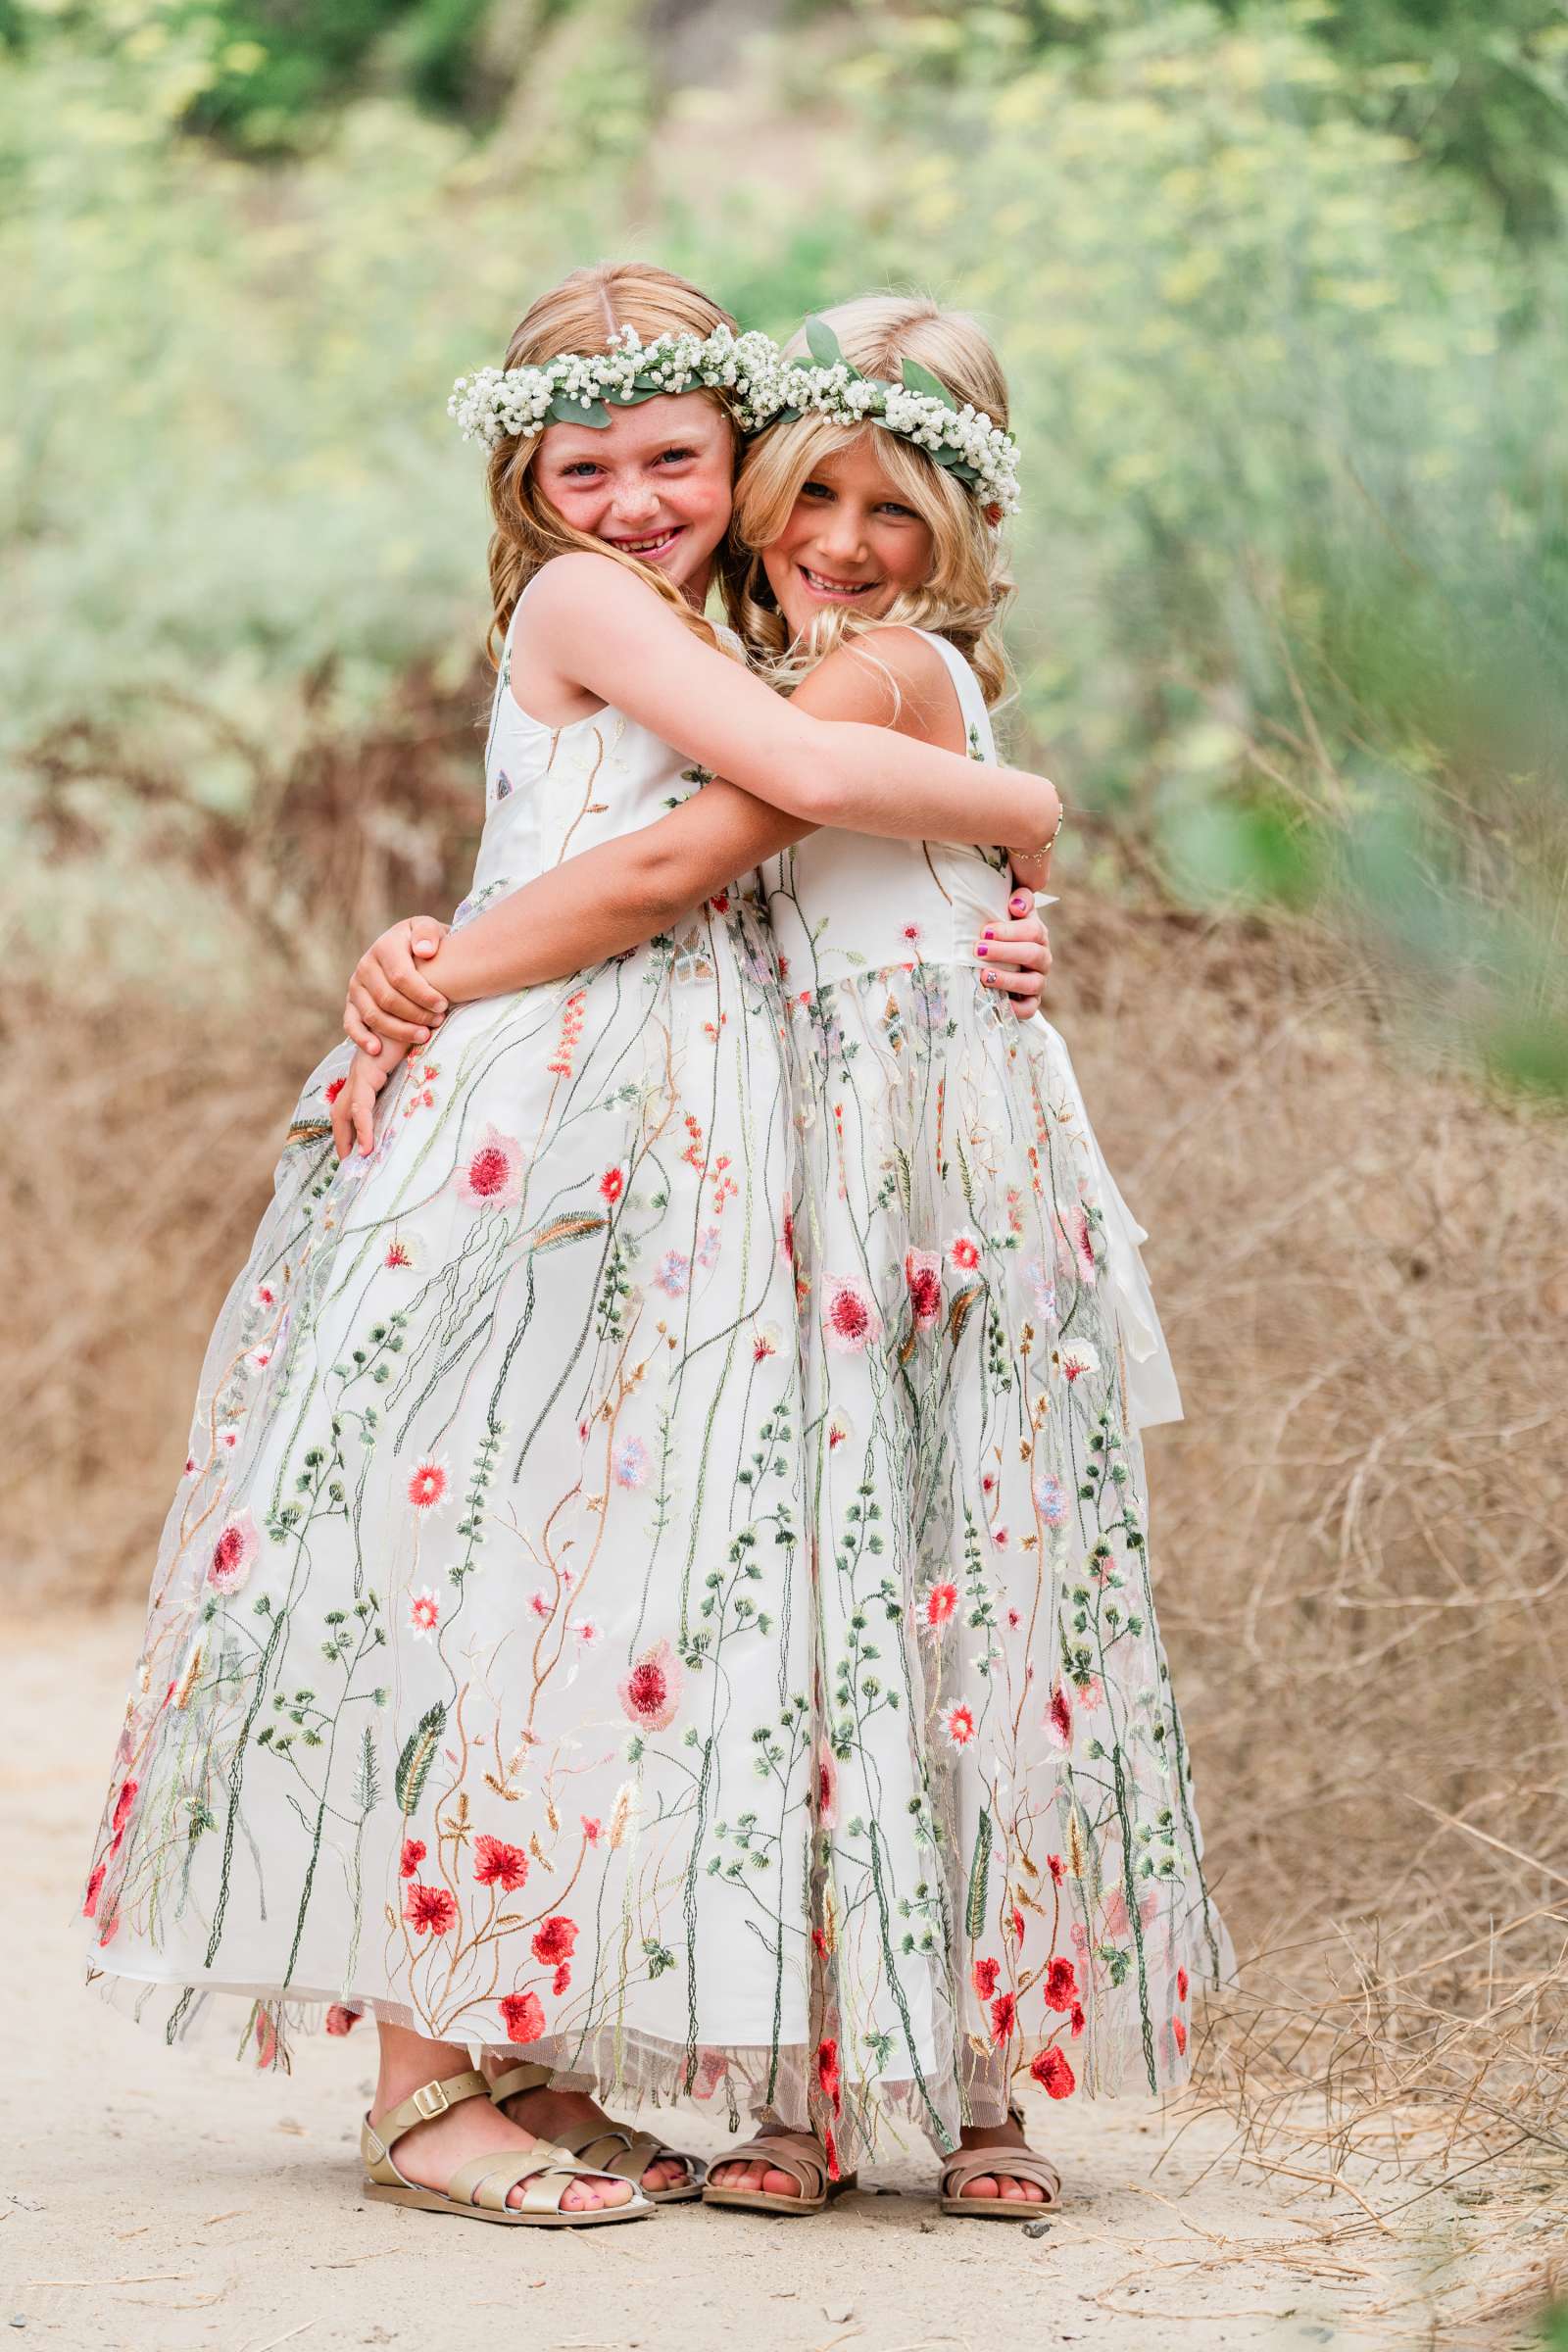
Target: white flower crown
(581, 387)
(963, 441)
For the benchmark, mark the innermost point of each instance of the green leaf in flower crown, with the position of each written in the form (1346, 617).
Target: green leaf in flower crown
(566, 410)
(953, 461)
(920, 380)
(823, 343)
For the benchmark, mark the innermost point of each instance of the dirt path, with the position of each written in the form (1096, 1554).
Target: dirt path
(156, 2201)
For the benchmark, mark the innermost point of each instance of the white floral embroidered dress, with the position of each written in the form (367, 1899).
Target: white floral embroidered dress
(475, 1687)
(1008, 1868)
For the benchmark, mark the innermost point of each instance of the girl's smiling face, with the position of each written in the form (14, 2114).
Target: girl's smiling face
(656, 482)
(852, 542)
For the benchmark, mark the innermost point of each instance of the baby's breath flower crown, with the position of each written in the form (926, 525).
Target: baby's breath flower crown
(963, 441)
(581, 387)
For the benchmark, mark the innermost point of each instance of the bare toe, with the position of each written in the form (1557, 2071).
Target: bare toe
(985, 2186)
(781, 2184)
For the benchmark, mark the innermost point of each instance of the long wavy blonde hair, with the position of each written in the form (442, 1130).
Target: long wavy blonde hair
(582, 314)
(969, 586)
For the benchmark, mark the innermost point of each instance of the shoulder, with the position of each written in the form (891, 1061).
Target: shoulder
(887, 677)
(569, 589)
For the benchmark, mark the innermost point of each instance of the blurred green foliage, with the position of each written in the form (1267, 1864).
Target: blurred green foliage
(1282, 315)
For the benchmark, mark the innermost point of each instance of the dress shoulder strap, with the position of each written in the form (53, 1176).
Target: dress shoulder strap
(971, 700)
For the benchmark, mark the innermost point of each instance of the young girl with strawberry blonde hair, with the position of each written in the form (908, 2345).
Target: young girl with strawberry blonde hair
(475, 1691)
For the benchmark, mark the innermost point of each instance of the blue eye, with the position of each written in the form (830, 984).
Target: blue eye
(815, 490)
(676, 457)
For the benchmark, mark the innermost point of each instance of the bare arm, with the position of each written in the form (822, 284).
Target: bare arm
(598, 630)
(615, 896)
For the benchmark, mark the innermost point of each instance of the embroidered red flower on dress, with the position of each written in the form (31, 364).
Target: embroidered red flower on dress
(340, 2019)
(612, 1184)
(1077, 2021)
(414, 1853)
(940, 1603)
(523, 2015)
(562, 1978)
(985, 1973)
(497, 1864)
(1051, 2069)
(94, 1888)
(555, 1941)
(428, 1486)
(123, 1804)
(336, 1088)
(430, 1909)
(1181, 1983)
(1180, 2031)
(922, 1271)
(1058, 1718)
(1060, 1987)
(1003, 2013)
(1057, 1869)
(827, 2074)
(963, 1251)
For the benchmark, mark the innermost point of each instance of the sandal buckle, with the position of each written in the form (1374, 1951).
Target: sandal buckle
(431, 2100)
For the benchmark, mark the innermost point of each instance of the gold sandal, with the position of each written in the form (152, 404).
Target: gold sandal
(801, 2159)
(612, 2148)
(1016, 2163)
(478, 2189)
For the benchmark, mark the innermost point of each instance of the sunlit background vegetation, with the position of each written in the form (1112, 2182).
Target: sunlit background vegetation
(1281, 292)
(1280, 289)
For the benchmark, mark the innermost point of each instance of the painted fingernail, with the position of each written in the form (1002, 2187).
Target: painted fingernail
(1020, 904)
(988, 934)
(983, 950)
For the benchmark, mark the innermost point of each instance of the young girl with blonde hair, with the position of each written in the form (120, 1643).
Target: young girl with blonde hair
(476, 1690)
(1007, 1862)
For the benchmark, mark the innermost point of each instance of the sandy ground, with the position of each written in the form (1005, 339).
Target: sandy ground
(157, 2200)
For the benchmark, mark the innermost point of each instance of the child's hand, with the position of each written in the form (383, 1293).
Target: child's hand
(1017, 953)
(354, 1110)
(388, 994)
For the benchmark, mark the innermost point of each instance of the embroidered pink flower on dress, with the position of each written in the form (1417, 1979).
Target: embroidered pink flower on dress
(1078, 1361)
(414, 1853)
(1058, 1718)
(493, 1175)
(424, 1613)
(1081, 1235)
(430, 1909)
(429, 1486)
(234, 1553)
(959, 1723)
(1043, 1289)
(95, 1886)
(940, 1603)
(341, 2018)
(400, 1257)
(523, 2015)
(964, 1252)
(592, 1829)
(1180, 2031)
(497, 1864)
(922, 1271)
(850, 1320)
(540, 1604)
(1057, 1869)
(651, 1692)
(827, 1787)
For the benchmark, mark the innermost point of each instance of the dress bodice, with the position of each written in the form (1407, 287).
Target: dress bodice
(552, 790)
(844, 902)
